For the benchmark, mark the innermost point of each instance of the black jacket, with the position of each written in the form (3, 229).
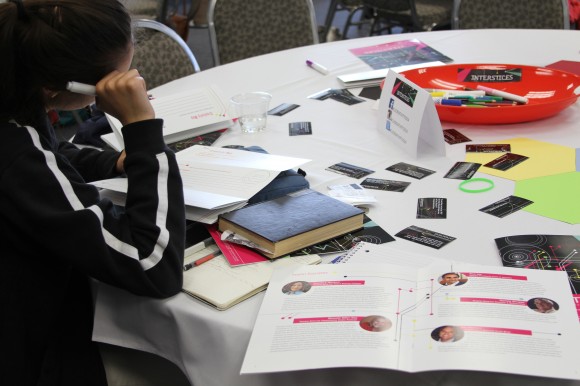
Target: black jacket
(56, 233)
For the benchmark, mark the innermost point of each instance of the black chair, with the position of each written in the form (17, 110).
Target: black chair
(353, 7)
(532, 14)
(241, 29)
(410, 15)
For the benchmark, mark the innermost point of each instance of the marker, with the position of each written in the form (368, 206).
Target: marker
(199, 246)
(81, 88)
(323, 70)
(503, 94)
(450, 93)
(202, 260)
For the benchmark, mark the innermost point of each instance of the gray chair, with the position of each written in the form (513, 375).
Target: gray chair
(532, 14)
(353, 7)
(146, 9)
(410, 15)
(241, 29)
(160, 54)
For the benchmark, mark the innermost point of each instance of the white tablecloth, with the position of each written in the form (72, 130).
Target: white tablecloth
(209, 345)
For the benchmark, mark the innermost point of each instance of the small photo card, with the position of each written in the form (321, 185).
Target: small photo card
(506, 206)
(346, 97)
(431, 207)
(299, 128)
(282, 109)
(410, 170)
(462, 170)
(506, 161)
(388, 185)
(322, 95)
(489, 148)
(425, 237)
(453, 136)
(350, 170)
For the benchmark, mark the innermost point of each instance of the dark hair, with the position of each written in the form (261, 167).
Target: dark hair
(46, 43)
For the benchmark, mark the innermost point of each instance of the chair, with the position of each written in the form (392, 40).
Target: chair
(537, 14)
(352, 7)
(410, 15)
(240, 29)
(160, 54)
(146, 9)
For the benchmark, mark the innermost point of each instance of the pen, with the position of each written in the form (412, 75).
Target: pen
(202, 260)
(503, 94)
(199, 246)
(323, 70)
(81, 88)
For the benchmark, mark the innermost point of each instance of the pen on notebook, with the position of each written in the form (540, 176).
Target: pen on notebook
(202, 260)
(199, 246)
(81, 88)
(503, 94)
(323, 70)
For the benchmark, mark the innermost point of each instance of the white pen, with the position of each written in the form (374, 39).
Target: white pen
(81, 88)
(323, 70)
(503, 94)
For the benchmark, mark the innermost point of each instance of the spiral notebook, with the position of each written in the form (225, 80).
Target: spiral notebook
(369, 253)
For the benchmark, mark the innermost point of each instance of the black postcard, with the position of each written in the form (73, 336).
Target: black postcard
(346, 97)
(453, 136)
(506, 161)
(350, 170)
(489, 148)
(462, 170)
(431, 207)
(282, 109)
(425, 237)
(410, 170)
(300, 128)
(389, 185)
(505, 206)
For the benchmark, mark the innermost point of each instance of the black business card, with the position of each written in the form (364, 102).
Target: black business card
(425, 237)
(431, 207)
(346, 97)
(488, 148)
(389, 185)
(506, 161)
(453, 136)
(462, 170)
(300, 128)
(505, 206)
(282, 109)
(410, 170)
(350, 170)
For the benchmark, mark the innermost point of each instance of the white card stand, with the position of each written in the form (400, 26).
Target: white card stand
(408, 116)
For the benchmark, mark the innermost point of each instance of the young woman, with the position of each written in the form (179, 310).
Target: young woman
(56, 232)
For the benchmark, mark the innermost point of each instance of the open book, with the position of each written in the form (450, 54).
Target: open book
(401, 315)
(185, 115)
(222, 286)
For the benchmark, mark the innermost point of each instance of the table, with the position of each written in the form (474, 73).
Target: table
(209, 345)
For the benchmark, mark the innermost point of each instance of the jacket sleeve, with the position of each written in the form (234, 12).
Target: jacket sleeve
(92, 164)
(139, 248)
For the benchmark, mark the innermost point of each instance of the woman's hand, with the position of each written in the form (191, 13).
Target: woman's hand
(124, 96)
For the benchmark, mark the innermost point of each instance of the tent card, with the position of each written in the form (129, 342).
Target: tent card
(408, 117)
(506, 161)
(453, 136)
(300, 128)
(425, 237)
(462, 170)
(282, 109)
(508, 205)
(489, 148)
(350, 170)
(410, 170)
(389, 185)
(432, 207)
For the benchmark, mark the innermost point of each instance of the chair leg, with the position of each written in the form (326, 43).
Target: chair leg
(349, 23)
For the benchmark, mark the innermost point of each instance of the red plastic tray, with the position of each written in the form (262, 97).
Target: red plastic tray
(549, 91)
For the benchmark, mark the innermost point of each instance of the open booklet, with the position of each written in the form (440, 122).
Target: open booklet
(403, 315)
(185, 115)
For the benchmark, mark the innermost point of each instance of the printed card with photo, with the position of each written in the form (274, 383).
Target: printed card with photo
(282, 109)
(452, 136)
(300, 128)
(506, 161)
(431, 207)
(489, 148)
(350, 170)
(388, 185)
(462, 170)
(410, 170)
(322, 95)
(505, 206)
(346, 97)
(425, 237)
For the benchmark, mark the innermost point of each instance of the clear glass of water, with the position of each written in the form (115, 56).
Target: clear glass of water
(251, 109)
